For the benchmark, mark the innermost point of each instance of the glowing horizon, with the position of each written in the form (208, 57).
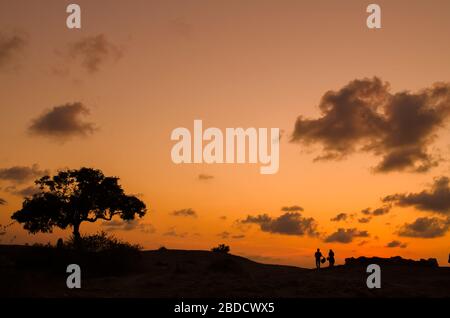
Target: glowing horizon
(230, 64)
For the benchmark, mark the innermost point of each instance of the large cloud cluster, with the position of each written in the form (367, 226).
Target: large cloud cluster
(365, 116)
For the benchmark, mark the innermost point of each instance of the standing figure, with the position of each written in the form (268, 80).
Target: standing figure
(331, 258)
(318, 256)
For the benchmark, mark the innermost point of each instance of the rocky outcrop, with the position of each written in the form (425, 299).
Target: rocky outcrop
(397, 261)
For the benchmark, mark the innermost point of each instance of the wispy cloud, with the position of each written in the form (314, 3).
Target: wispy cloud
(11, 45)
(172, 232)
(23, 192)
(20, 174)
(364, 220)
(227, 235)
(131, 225)
(339, 217)
(204, 177)
(377, 212)
(292, 208)
(395, 243)
(94, 51)
(185, 212)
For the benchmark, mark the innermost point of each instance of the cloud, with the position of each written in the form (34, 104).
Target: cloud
(339, 217)
(345, 235)
(180, 27)
(204, 177)
(425, 227)
(364, 220)
(292, 208)
(20, 174)
(185, 212)
(363, 116)
(174, 233)
(436, 199)
(226, 235)
(94, 51)
(63, 122)
(3, 228)
(377, 212)
(24, 192)
(396, 243)
(290, 223)
(363, 242)
(10, 46)
(131, 225)
(2, 201)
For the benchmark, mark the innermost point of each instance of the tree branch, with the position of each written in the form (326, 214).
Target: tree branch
(92, 220)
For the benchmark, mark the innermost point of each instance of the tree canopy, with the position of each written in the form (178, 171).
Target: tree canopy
(74, 196)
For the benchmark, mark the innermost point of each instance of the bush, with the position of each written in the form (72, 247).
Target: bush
(41, 245)
(222, 248)
(99, 254)
(100, 242)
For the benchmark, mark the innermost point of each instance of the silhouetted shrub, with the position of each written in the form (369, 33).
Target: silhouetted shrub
(162, 249)
(222, 248)
(100, 242)
(41, 245)
(98, 255)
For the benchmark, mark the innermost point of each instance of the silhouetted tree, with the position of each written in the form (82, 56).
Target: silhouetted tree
(222, 248)
(75, 196)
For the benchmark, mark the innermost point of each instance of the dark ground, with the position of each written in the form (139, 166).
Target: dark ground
(183, 273)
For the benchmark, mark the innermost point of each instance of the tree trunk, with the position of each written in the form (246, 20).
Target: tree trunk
(76, 235)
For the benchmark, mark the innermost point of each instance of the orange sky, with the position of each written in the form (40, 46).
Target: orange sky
(232, 64)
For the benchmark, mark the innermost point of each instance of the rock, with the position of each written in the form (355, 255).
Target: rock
(396, 260)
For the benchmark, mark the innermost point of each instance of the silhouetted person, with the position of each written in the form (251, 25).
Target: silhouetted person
(318, 256)
(331, 258)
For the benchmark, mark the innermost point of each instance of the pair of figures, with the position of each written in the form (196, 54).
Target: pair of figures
(321, 259)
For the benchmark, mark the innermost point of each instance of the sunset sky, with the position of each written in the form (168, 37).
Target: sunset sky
(139, 69)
